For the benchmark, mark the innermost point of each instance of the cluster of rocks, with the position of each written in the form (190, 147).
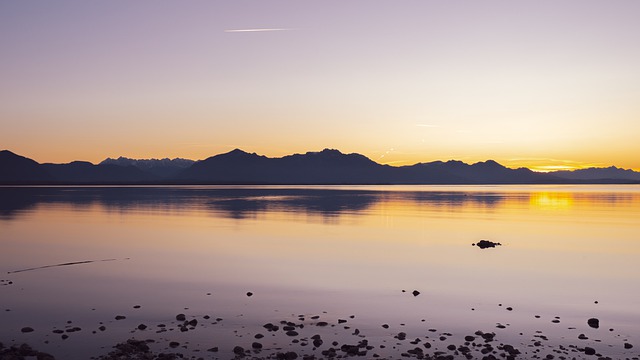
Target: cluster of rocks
(22, 352)
(312, 337)
(137, 350)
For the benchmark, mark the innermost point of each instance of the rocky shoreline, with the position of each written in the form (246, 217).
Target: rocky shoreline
(316, 336)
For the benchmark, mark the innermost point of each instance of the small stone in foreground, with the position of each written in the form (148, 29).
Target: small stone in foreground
(416, 292)
(249, 294)
(594, 323)
(589, 351)
(628, 346)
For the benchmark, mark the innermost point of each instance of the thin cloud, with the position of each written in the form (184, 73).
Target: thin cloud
(427, 125)
(256, 30)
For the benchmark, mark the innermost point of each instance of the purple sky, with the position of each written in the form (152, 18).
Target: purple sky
(527, 83)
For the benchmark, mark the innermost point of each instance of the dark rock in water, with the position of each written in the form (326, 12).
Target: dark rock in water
(249, 294)
(583, 337)
(469, 338)
(322, 323)
(386, 326)
(589, 351)
(181, 317)
(102, 328)
(174, 344)
(136, 306)
(416, 292)
(213, 349)
(484, 244)
(628, 346)
(594, 323)
(341, 321)
(22, 352)
(258, 336)
(401, 336)
(120, 317)
(142, 327)
(289, 355)
(317, 342)
(350, 349)
(26, 329)
(292, 333)
(193, 322)
(256, 345)
(238, 350)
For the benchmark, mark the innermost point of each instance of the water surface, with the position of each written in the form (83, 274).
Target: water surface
(567, 251)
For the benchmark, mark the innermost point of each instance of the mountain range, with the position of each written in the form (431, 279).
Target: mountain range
(324, 167)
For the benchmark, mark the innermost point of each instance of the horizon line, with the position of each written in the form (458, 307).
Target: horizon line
(537, 169)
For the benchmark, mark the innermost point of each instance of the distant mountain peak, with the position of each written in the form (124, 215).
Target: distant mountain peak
(331, 151)
(489, 163)
(237, 151)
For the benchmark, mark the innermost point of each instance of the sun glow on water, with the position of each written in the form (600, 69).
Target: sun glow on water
(551, 200)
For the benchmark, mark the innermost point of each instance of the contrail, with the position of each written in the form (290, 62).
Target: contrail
(254, 30)
(63, 264)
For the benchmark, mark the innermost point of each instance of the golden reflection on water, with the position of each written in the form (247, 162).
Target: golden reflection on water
(552, 200)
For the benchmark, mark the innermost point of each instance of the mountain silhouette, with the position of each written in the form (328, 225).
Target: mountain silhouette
(164, 168)
(16, 169)
(324, 167)
(611, 173)
(328, 166)
(82, 172)
(333, 167)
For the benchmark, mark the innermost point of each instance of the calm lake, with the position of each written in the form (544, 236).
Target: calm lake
(350, 256)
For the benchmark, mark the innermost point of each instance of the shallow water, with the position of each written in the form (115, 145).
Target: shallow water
(332, 252)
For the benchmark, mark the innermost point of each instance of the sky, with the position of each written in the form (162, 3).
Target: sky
(542, 84)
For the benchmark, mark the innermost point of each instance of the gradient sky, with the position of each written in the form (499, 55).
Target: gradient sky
(527, 83)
